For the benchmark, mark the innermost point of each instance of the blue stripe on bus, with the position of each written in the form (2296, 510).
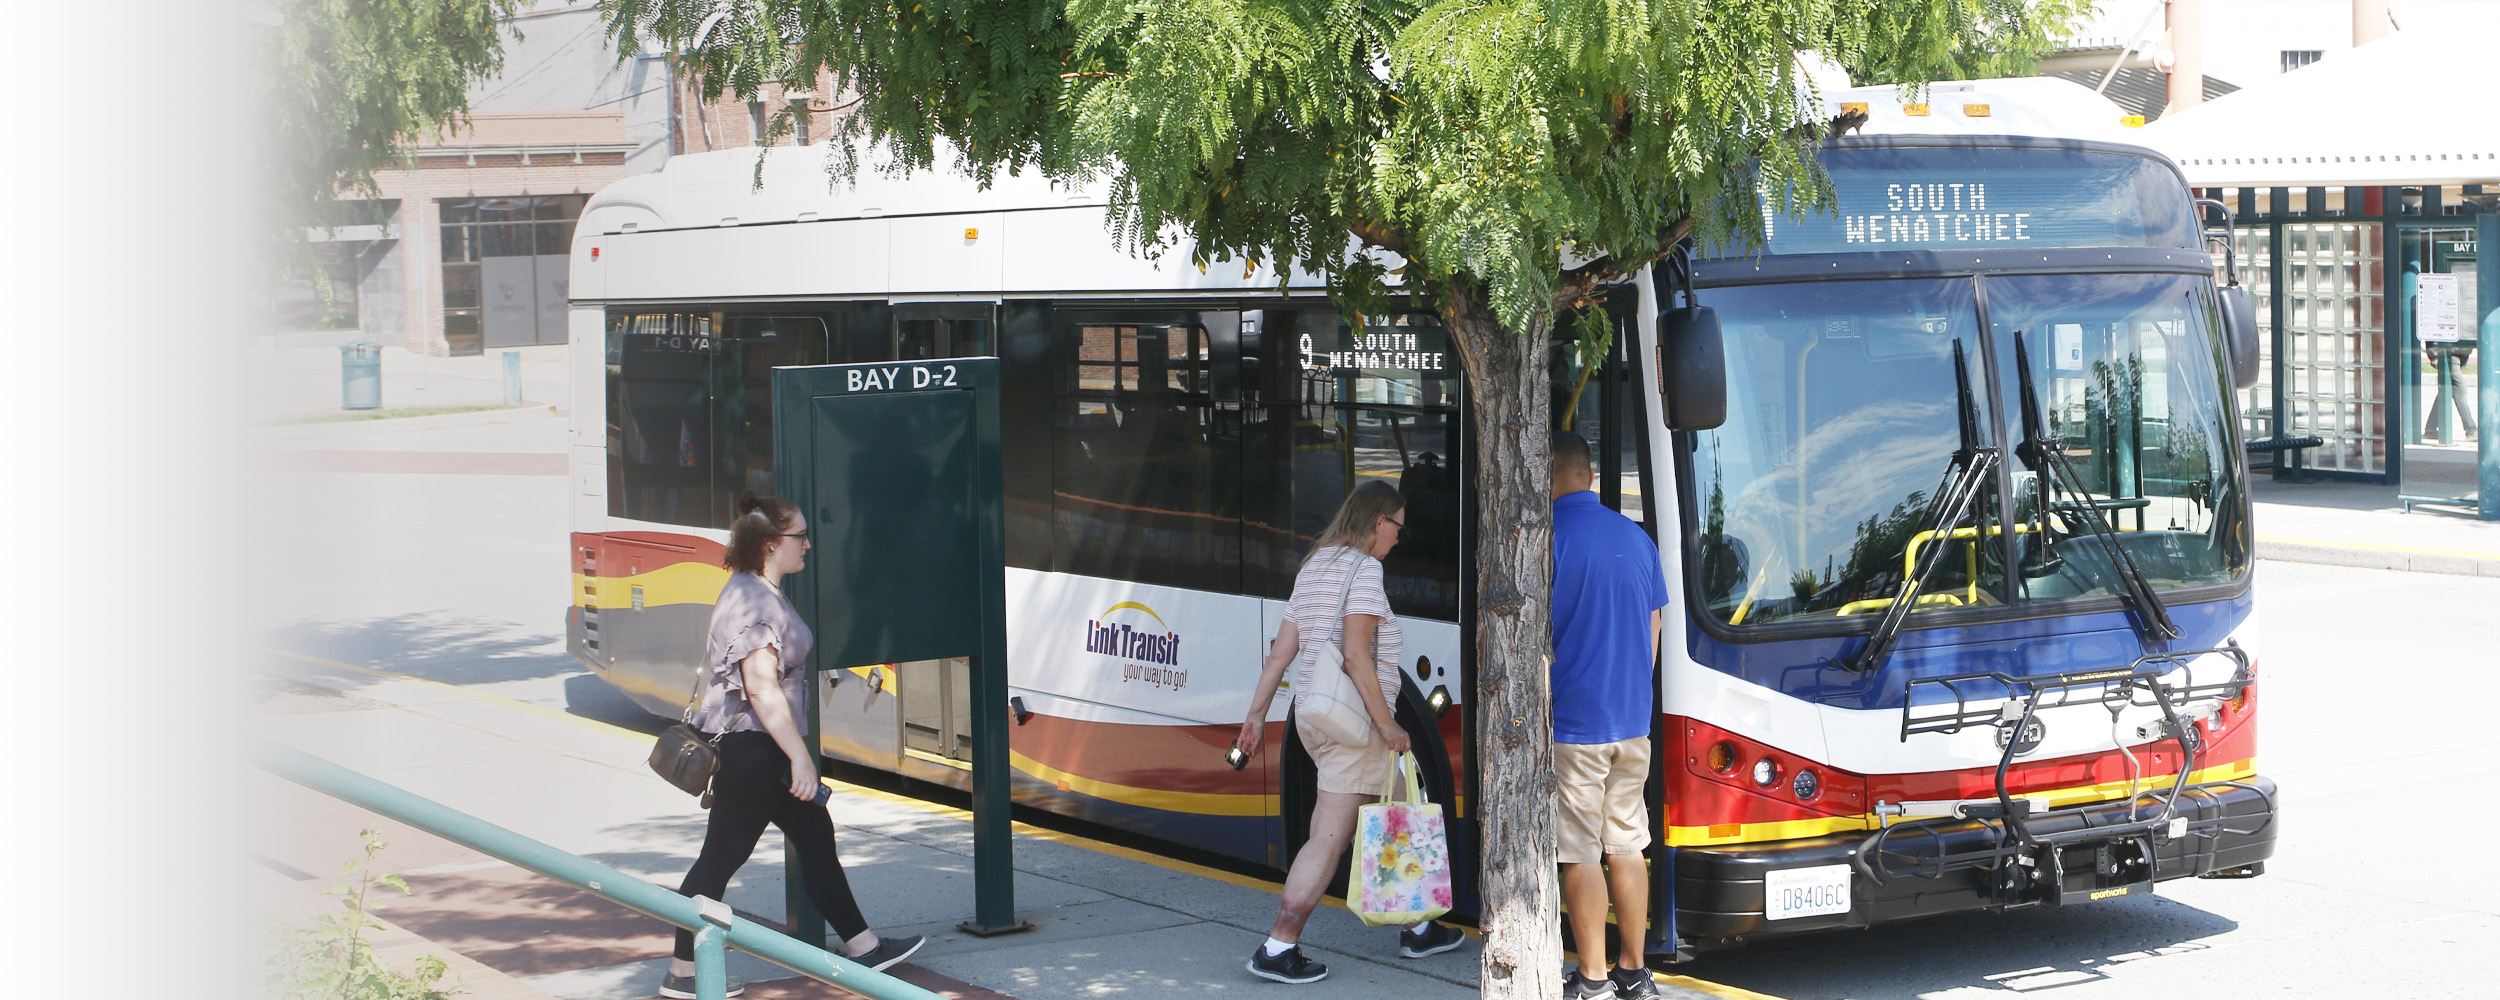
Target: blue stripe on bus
(1809, 668)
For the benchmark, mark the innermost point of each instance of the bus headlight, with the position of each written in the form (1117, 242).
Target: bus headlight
(1765, 773)
(1806, 784)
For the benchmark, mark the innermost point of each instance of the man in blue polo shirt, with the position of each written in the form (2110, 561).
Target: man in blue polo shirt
(1609, 595)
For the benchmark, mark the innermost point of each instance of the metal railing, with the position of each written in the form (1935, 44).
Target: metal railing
(715, 928)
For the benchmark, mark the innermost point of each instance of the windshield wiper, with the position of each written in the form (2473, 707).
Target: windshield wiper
(1968, 474)
(2045, 454)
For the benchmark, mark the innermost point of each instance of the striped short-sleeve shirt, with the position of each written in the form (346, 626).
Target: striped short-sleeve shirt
(1313, 610)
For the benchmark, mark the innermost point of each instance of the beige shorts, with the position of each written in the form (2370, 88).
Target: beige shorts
(1360, 770)
(1598, 791)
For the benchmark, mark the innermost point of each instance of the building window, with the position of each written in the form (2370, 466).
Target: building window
(505, 264)
(2296, 58)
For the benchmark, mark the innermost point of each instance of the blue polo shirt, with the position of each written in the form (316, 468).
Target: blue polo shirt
(1606, 584)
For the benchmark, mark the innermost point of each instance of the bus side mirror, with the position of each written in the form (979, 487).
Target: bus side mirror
(2239, 334)
(1692, 368)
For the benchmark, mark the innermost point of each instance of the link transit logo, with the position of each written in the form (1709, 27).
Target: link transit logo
(1152, 657)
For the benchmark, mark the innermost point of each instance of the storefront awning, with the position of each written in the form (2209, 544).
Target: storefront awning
(2411, 108)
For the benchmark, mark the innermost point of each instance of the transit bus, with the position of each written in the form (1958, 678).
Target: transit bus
(1962, 614)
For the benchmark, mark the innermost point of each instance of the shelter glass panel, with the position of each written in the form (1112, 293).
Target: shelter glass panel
(2336, 344)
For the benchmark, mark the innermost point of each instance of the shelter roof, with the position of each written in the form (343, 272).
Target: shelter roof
(2400, 110)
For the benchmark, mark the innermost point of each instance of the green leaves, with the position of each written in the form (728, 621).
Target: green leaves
(349, 84)
(1481, 139)
(332, 960)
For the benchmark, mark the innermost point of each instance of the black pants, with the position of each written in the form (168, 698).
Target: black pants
(751, 789)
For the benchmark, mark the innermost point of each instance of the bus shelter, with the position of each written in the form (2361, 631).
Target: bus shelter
(2364, 189)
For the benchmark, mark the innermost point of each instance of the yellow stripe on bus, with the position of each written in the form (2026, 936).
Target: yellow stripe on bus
(676, 583)
(1746, 833)
(1201, 803)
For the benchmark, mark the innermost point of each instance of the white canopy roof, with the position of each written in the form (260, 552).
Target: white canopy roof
(2411, 108)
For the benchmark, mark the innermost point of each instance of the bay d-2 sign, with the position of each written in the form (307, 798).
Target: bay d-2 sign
(904, 377)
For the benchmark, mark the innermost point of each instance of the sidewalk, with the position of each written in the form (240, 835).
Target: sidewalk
(1108, 921)
(2360, 524)
(294, 383)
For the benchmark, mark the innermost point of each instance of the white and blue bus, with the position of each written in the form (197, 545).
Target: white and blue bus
(1962, 612)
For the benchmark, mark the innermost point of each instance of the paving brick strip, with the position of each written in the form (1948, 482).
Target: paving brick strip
(503, 930)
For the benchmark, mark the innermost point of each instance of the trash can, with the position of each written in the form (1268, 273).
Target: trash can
(360, 375)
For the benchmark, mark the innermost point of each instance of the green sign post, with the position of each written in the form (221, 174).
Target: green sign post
(896, 466)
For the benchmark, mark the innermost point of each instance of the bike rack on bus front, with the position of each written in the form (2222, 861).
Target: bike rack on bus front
(2016, 845)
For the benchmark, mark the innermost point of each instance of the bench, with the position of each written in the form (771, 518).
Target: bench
(2276, 446)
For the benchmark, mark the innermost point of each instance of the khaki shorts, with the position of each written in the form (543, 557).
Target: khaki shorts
(1360, 770)
(1598, 790)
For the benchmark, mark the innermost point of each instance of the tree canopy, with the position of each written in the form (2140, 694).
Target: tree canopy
(346, 85)
(1476, 138)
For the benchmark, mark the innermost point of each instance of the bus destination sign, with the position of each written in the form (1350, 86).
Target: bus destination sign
(1412, 344)
(1971, 198)
(1378, 348)
(1936, 212)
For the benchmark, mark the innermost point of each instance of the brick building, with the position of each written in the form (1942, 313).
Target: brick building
(465, 250)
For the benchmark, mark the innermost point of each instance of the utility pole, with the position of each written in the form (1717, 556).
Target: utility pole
(2369, 21)
(2186, 20)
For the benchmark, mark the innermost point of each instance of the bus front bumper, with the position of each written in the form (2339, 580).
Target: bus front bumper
(1935, 867)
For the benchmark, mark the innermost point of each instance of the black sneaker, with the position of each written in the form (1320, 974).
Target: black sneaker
(1290, 966)
(1633, 984)
(888, 951)
(1433, 941)
(682, 988)
(1578, 987)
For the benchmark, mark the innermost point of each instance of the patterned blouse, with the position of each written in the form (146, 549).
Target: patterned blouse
(749, 616)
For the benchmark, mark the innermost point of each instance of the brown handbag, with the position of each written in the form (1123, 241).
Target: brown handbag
(682, 756)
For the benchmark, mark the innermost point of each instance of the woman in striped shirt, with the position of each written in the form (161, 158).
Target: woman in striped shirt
(1342, 569)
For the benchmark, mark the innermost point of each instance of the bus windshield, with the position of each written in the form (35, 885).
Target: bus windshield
(1813, 499)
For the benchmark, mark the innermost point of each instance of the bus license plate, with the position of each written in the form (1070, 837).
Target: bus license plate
(1805, 892)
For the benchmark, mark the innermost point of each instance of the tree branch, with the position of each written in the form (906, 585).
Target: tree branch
(1386, 239)
(1579, 285)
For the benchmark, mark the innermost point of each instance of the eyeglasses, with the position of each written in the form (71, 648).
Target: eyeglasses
(1400, 524)
(800, 535)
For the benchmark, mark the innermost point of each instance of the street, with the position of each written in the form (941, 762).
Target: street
(2376, 690)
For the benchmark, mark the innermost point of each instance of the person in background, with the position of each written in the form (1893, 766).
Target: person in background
(1344, 566)
(756, 656)
(1609, 601)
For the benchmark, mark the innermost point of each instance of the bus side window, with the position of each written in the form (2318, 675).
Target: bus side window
(690, 409)
(1395, 418)
(660, 430)
(1146, 474)
(743, 396)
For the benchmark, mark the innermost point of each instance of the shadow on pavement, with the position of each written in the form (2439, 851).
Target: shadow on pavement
(587, 696)
(463, 652)
(2024, 951)
(438, 647)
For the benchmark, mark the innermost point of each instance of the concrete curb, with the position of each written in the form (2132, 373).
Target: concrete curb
(356, 428)
(2380, 557)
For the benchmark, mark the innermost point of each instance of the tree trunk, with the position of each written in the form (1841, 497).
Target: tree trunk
(1514, 755)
